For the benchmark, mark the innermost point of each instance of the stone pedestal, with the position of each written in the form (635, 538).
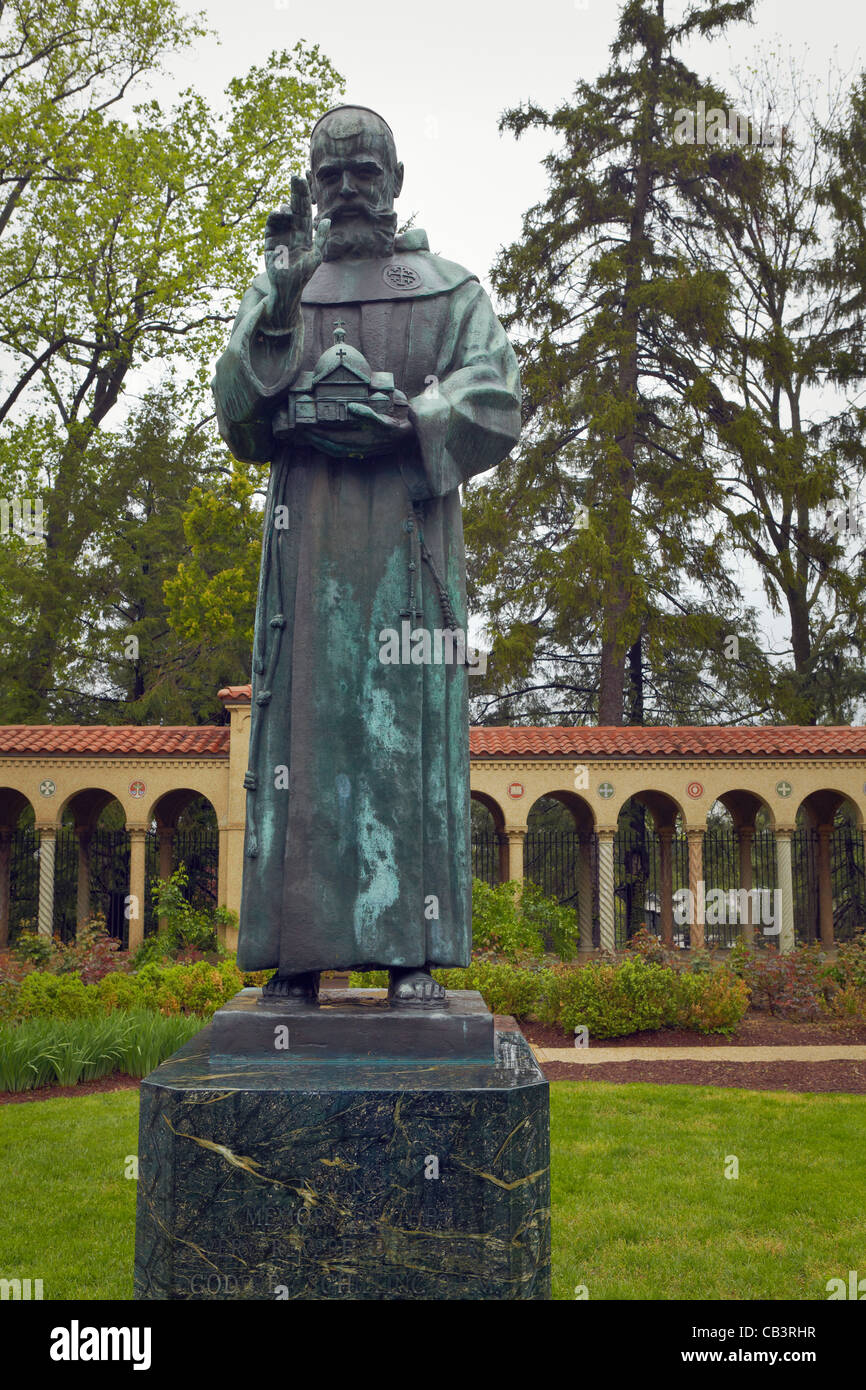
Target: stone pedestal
(341, 1154)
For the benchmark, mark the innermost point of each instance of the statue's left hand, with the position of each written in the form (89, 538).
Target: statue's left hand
(374, 434)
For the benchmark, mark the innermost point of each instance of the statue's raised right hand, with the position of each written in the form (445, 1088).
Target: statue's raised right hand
(292, 254)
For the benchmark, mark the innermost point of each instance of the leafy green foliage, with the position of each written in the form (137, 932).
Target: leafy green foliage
(514, 919)
(63, 1051)
(590, 557)
(187, 929)
(199, 988)
(125, 241)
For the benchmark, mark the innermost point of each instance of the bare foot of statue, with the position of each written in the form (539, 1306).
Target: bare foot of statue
(414, 986)
(297, 989)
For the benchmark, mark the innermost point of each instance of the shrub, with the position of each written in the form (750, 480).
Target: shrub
(848, 970)
(187, 929)
(794, 986)
(516, 919)
(613, 1000)
(37, 950)
(91, 954)
(847, 1004)
(190, 989)
(43, 995)
(174, 989)
(505, 989)
(712, 1003)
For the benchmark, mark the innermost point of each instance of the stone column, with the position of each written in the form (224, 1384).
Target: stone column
(137, 886)
(696, 887)
(606, 917)
(502, 841)
(47, 847)
(5, 868)
(825, 886)
(166, 845)
(786, 888)
(516, 839)
(584, 892)
(745, 836)
(666, 884)
(82, 900)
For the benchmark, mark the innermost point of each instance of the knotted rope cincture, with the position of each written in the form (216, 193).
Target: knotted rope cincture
(413, 525)
(265, 661)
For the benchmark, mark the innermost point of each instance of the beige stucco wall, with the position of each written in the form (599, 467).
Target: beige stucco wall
(631, 777)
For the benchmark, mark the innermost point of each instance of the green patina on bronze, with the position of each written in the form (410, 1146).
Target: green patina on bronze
(374, 822)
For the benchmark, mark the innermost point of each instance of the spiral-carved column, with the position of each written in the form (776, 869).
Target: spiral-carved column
(607, 929)
(47, 847)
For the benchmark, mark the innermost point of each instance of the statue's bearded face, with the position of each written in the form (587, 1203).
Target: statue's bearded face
(354, 181)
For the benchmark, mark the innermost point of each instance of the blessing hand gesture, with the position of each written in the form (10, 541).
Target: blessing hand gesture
(292, 254)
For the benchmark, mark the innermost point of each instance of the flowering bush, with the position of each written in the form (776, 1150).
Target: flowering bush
(91, 954)
(794, 986)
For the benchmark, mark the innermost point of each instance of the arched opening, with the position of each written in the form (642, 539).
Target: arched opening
(560, 855)
(91, 865)
(183, 831)
(19, 865)
(489, 844)
(739, 871)
(829, 871)
(650, 866)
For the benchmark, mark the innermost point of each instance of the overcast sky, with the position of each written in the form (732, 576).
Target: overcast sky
(442, 75)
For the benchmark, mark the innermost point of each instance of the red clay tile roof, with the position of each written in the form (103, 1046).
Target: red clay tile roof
(655, 741)
(114, 740)
(664, 741)
(235, 694)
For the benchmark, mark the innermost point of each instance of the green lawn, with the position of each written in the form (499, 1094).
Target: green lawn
(641, 1206)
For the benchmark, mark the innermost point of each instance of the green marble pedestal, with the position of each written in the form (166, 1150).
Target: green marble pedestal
(339, 1177)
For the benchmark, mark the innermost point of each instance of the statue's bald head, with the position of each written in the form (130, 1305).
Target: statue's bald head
(353, 130)
(354, 178)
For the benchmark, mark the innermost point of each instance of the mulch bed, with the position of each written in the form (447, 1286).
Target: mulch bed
(746, 1076)
(755, 1030)
(117, 1082)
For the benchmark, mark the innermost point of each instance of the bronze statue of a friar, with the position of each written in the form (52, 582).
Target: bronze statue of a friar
(375, 378)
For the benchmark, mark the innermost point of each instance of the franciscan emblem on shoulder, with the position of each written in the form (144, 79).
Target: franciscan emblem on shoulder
(401, 277)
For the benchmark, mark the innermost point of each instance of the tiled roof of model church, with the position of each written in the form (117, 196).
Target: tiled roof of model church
(653, 741)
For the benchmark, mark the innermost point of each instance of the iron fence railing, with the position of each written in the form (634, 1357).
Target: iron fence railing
(551, 859)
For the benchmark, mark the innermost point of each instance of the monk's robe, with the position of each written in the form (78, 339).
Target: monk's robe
(357, 849)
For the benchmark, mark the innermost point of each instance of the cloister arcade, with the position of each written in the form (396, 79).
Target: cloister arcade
(700, 834)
